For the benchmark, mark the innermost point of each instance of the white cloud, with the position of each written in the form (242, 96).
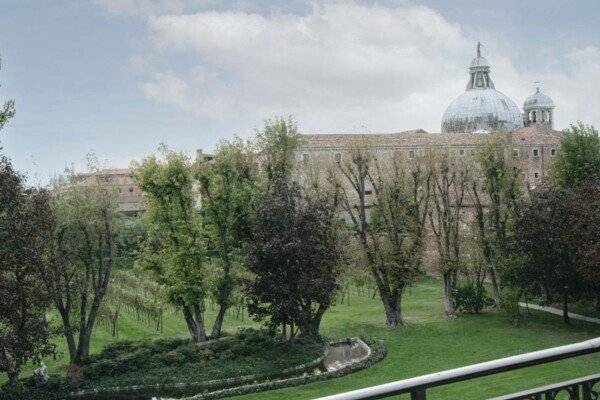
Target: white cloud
(340, 67)
(575, 88)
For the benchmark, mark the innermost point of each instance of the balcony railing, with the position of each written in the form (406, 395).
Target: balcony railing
(582, 388)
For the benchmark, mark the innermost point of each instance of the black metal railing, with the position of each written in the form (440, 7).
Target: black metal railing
(417, 387)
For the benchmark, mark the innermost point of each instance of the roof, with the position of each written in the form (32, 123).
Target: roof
(530, 135)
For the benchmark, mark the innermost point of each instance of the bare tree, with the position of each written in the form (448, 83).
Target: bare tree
(78, 274)
(449, 184)
(391, 236)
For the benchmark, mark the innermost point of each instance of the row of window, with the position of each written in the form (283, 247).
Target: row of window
(412, 153)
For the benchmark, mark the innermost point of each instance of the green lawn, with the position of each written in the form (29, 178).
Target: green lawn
(431, 342)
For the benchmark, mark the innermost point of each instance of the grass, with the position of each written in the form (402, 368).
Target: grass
(429, 343)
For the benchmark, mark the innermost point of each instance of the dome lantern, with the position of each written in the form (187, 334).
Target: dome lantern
(538, 109)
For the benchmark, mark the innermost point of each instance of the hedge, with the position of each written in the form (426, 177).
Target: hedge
(378, 353)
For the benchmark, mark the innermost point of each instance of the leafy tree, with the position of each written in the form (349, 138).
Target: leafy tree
(392, 240)
(174, 250)
(583, 222)
(276, 144)
(228, 186)
(578, 158)
(545, 236)
(497, 202)
(294, 257)
(25, 230)
(450, 181)
(7, 110)
(78, 274)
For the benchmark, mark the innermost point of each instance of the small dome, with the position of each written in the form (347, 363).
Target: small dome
(538, 100)
(480, 62)
(481, 111)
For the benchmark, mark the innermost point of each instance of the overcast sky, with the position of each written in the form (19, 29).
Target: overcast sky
(118, 77)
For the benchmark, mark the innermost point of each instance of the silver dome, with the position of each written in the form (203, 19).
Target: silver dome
(482, 110)
(538, 100)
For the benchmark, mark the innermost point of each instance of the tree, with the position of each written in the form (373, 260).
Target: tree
(546, 236)
(7, 110)
(450, 180)
(228, 186)
(276, 144)
(578, 158)
(174, 250)
(78, 273)
(392, 242)
(497, 202)
(25, 229)
(294, 257)
(583, 223)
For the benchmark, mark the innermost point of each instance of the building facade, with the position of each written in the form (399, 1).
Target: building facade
(481, 109)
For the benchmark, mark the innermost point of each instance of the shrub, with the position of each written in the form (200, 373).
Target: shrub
(510, 304)
(471, 298)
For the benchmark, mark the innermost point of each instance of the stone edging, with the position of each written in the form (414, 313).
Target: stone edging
(186, 388)
(377, 353)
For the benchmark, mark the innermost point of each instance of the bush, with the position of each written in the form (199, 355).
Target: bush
(471, 298)
(510, 304)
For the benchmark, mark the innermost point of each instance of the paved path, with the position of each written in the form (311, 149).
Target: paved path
(556, 311)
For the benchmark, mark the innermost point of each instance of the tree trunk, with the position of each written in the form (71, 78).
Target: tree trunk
(83, 346)
(11, 369)
(218, 325)
(393, 310)
(495, 284)
(69, 336)
(195, 323)
(566, 308)
(449, 301)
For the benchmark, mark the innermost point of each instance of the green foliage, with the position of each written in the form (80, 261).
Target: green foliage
(7, 110)
(471, 298)
(176, 361)
(228, 186)
(294, 257)
(578, 158)
(174, 251)
(25, 232)
(276, 144)
(511, 296)
(77, 278)
(497, 205)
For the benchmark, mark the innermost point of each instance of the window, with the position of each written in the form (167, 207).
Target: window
(515, 152)
(411, 154)
(338, 157)
(130, 190)
(368, 192)
(553, 152)
(536, 175)
(305, 158)
(461, 152)
(536, 152)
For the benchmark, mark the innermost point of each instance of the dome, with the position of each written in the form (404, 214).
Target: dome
(482, 110)
(538, 100)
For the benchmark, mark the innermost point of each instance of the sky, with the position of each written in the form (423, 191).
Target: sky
(119, 77)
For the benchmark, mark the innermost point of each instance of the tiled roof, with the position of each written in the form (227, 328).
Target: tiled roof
(420, 138)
